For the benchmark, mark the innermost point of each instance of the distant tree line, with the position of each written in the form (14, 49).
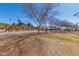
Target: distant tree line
(54, 24)
(20, 26)
(63, 25)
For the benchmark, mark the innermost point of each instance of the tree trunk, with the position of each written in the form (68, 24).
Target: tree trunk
(38, 29)
(46, 30)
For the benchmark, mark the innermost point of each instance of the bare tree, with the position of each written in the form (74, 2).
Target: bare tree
(76, 26)
(39, 13)
(57, 23)
(76, 14)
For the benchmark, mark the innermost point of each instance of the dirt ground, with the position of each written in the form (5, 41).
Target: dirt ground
(38, 45)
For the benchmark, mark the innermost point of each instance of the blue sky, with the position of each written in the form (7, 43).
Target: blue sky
(67, 11)
(9, 13)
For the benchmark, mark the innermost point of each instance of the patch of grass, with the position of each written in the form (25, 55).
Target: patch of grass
(65, 37)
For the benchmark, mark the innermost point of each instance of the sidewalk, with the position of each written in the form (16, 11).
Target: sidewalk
(18, 32)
